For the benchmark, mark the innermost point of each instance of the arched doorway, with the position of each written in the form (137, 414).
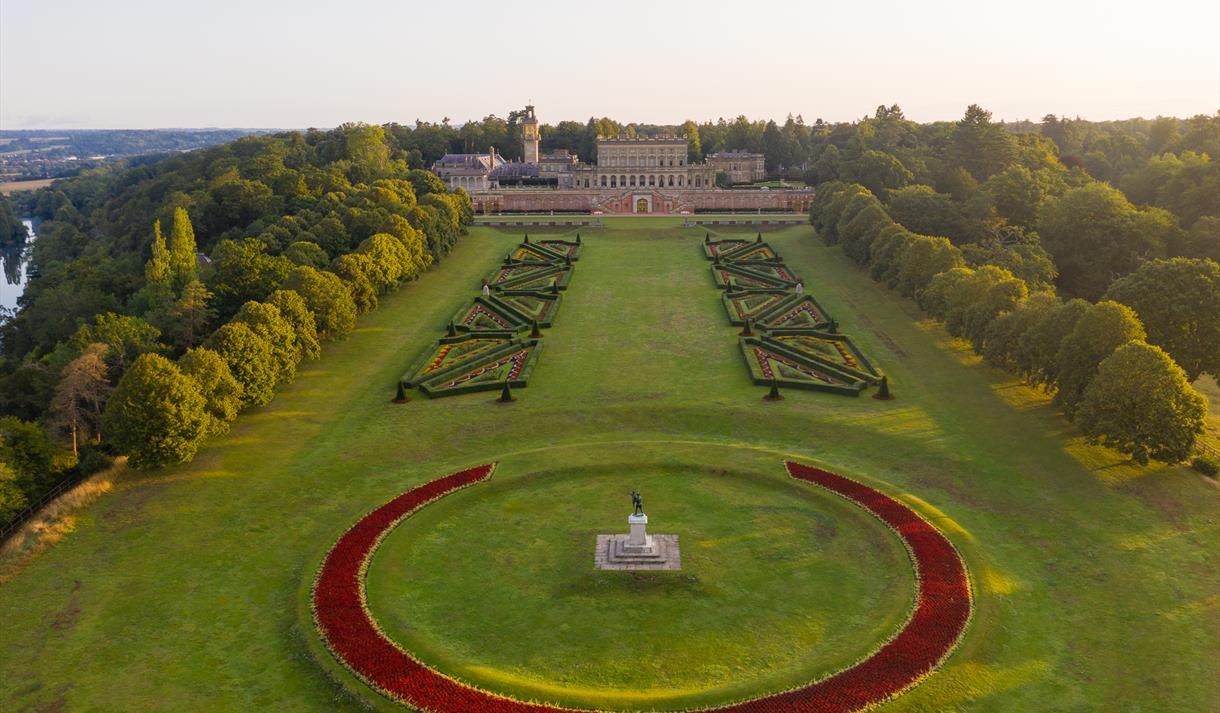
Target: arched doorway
(641, 205)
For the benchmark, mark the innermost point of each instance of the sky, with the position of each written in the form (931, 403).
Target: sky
(269, 63)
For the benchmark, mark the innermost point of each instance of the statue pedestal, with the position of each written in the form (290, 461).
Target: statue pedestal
(637, 550)
(638, 537)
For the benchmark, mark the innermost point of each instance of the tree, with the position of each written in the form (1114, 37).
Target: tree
(1141, 404)
(182, 250)
(293, 309)
(220, 390)
(328, 299)
(1178, 301)
(192, 314)
(155, 414)
(12, 498)
(266, 321)
(353, 268)
(251, 361)
(1038, 348)
(1104, 327)
(81, 393)
(388, 260)
(694, 149)
(877, 171)
(922, 259)
(922, 210)
(127, 338)
(981, 147)
(1096, 235)
(157, 269)
(27, 450)
(1003, 338)
(306, 253)
(243, 271)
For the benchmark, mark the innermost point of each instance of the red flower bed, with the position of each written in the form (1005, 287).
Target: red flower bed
(940, 616)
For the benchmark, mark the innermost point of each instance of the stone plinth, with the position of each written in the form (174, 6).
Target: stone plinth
(637, 550)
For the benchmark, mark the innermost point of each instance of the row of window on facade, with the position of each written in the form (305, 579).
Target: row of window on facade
(650, 180)
(617, 161)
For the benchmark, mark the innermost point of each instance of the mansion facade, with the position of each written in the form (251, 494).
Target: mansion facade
(632, 174)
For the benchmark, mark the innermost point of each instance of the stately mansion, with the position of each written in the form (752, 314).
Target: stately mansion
(632, 175)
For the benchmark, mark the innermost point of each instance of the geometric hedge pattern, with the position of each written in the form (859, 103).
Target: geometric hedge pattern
(483, 347)
(788, 337)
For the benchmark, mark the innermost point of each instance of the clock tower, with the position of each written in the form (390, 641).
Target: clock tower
(530, 136)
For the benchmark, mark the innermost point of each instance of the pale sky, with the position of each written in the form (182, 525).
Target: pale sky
(143, 64)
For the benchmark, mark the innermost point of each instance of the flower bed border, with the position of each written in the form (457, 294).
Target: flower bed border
(943, 608)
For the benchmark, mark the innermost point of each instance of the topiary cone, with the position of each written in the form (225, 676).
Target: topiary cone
(452, 331)
(401, 397)
(883, 393)
(745, 331)
(773, 394)
(536, 331)
(506, 395)
(527, 238)
(554, 288)
(707, 237)
(578, 238)
(759, 238)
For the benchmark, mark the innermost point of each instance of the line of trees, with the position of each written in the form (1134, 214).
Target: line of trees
(131, 341)
(1118, 381)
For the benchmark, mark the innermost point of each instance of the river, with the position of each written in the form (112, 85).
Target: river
(15, 260)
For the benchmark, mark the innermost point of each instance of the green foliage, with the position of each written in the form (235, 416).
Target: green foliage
(222, 393)
(27, 450)
(243, 271)
(192, 315)
(1095, 234)
(1037, 355)
(388, 261)
(1141, 404)
(182, 250)
(981, 147)
(328, 299)
(922, 259)
(1178, 301)
(125, 336)
(877, 171)
(1206, 466)
(266, 321)
(922, 210)
(968, 299)
(157, 269)
(303, 252)
(251, 360)
(1002, 340)
(1103, 328)
(294, 310)
(12, 498)
(156, 414)
(354, 269)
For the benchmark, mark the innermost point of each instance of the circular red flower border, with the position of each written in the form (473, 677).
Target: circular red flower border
(942, 610)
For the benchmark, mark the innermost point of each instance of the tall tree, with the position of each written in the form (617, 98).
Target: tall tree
(266, 321)
(182, 250)
(981, 147)
(157, 269)
(81, 393)
(1141, 404)
(192, 314)
(155, 414)
(293, 309)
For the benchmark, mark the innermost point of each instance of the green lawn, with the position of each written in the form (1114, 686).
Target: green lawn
(1096, 581)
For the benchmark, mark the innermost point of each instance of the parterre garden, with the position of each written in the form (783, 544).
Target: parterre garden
(835, 550)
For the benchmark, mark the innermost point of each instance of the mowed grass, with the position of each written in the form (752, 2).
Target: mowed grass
(780, 583)
(1097, 584)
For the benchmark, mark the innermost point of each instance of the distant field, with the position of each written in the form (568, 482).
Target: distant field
(9, 187)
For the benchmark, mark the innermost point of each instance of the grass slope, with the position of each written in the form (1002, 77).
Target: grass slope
(1097, 581)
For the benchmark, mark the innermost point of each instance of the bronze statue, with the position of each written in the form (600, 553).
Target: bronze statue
(638, 502)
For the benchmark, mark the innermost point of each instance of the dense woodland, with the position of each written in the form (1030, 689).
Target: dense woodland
(169, 294)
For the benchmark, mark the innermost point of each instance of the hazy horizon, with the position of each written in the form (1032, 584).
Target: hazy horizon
(140, 65)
